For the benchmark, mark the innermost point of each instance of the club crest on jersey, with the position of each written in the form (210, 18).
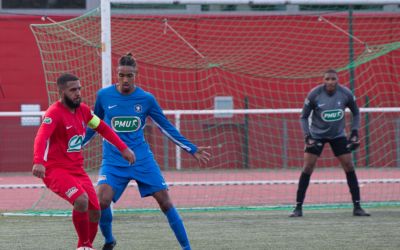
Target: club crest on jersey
(332, 115)
(126, 123)
(138, 108)
(47, 120)
(75, 143)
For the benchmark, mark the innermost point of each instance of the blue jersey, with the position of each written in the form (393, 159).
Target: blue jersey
(126, 115)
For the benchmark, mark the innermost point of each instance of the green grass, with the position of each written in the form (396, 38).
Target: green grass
(241, 229)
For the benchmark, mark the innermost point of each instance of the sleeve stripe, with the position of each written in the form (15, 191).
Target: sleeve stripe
(46, 152)
(180, 144)
(94, 122)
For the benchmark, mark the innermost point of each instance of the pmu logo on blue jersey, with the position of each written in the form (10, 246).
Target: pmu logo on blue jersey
(332, 115)
(125, 123)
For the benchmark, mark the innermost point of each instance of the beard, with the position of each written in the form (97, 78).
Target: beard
(125, 88)
(72, 104)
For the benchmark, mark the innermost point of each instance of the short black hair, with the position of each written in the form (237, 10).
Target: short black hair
(64, 78)
(330, 71)
(127, 60)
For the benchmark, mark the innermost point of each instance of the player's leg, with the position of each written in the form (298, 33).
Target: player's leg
(105, 194)
(174, 219)
(94, 217)
(80, 219)
(110, 187)
(311, 155)
(93, 207)
(151, 183)
(65, 185)
(344, 156)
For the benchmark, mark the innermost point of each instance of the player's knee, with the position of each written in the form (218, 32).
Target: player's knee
(105, 201)
(94, 215)
(348, 167)
(104, 204)
(81, 203)
(165, 206)
(164, 201)
(308, 168)
(105, 196)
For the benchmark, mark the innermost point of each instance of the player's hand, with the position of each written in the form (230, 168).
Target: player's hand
(353, 141)
(202, 155)
(38, 170)
(129, 155)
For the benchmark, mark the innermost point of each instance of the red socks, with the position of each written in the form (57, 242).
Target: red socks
(93, 227)
(81, 223)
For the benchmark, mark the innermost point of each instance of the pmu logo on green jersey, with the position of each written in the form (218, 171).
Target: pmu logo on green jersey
(125, 123)
(75, 143)
(332, 115)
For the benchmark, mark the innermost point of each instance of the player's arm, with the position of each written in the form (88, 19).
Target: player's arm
(305, 113)
(356, 113)
(354, 141)
(41, 144)
(104, 130)
(99, 111)
(199, 153)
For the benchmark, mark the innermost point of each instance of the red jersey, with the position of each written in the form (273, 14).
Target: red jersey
(58, 142)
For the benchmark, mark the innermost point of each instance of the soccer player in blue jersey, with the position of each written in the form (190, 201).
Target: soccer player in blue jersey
(125, 107)
(326, 104)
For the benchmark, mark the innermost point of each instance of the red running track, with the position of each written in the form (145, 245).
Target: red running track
(200, 195)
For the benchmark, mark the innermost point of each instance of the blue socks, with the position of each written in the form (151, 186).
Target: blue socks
(105, 224)
(177, 226)
(172, 215)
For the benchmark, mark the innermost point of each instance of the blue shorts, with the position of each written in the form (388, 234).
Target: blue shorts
(145, 172)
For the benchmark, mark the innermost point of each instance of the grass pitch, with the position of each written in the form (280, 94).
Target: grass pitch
(242, 229)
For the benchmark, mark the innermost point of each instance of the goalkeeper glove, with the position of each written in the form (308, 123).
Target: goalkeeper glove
(353, 141)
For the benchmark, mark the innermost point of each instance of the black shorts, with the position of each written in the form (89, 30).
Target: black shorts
(338, 145)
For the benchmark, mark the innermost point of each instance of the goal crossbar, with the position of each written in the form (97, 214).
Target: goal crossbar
(220, 111)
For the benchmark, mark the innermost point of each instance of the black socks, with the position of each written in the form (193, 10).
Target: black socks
(301, 191)
(354, 188)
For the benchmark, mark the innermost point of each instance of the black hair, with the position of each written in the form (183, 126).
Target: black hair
(64, 78)
(127, 60)
(330, 71)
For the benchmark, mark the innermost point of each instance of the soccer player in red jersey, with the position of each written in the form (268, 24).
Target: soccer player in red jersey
(58, 159)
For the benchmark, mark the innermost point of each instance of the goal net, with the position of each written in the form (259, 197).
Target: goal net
(236, 80)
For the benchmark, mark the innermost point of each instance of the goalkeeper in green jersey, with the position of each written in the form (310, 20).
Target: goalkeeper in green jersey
(326, 104)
